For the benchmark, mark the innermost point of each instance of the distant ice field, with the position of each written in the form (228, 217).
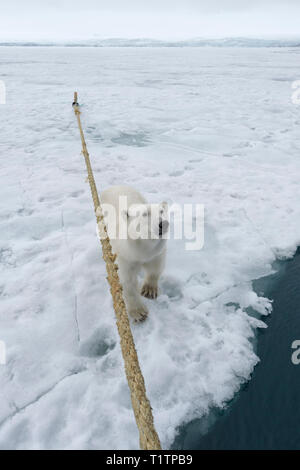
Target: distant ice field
(214, 126)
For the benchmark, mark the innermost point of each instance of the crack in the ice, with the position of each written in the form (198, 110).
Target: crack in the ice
(39, 397)
(72, 276)
(219, 294)
(214, 297)
(258, 232)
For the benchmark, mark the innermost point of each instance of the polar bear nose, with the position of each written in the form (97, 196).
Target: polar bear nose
(163, 226)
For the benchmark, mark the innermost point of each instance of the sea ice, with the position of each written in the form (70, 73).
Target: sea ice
(214, 126)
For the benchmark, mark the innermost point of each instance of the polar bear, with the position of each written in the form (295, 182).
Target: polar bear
(138, 234)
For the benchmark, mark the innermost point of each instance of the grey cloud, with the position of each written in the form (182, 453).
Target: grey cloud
(204, 6)
(34, 19)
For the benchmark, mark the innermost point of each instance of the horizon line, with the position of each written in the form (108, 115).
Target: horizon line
(287, 41)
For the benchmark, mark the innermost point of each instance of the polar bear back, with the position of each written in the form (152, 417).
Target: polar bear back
(112, 195)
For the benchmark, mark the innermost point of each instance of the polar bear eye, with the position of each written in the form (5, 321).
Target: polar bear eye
(161, 211)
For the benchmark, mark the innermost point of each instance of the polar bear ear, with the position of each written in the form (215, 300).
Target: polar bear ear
(164, 205)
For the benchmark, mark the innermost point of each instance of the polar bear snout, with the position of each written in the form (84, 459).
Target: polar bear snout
(163, 227)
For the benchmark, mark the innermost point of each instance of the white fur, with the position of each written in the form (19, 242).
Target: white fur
(136, 253)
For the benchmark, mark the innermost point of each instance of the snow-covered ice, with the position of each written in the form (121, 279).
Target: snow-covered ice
(214, 126)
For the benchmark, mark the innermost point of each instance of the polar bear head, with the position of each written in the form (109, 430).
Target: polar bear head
(147, 221)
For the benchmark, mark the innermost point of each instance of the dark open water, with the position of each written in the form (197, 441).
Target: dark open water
(266, 412)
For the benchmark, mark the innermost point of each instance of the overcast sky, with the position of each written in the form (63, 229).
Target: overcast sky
(166, 19)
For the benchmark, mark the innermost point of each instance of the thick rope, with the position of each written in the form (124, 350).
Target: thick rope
(149, 439)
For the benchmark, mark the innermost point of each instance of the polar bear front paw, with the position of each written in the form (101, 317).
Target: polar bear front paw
(138, 313)
(149, 291)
